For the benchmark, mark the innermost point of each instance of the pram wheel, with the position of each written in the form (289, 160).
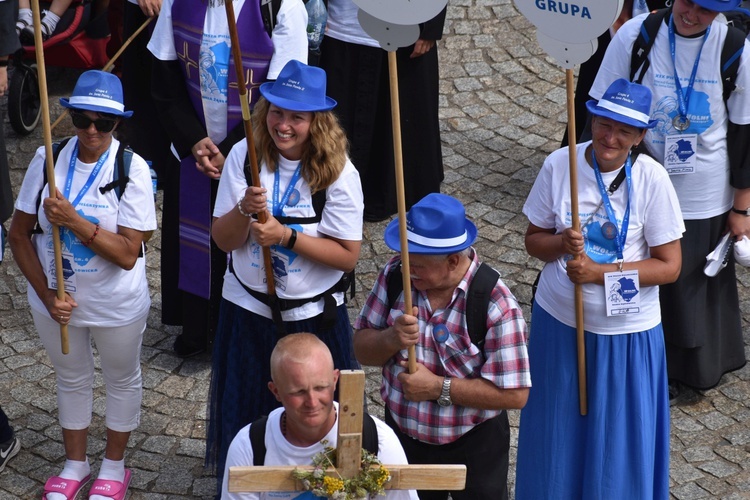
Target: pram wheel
(24, 105)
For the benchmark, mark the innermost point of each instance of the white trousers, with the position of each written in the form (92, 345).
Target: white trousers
(120, 353)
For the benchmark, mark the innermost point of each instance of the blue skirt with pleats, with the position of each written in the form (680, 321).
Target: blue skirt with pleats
(620, 449)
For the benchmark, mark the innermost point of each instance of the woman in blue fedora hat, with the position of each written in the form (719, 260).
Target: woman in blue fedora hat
(103, 225)
(703, 139)
(627, 246)
(313, 200)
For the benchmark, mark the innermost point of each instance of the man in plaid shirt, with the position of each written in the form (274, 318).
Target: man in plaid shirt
(451, 410)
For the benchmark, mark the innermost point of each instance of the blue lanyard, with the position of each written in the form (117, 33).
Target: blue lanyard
(72, 171)
(278, 205)
(683, 99)
(622, 234)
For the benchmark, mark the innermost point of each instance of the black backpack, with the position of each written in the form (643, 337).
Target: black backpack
(734, 44)
(258, 438)
(477, 298)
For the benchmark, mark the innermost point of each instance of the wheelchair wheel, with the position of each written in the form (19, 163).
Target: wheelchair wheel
(24, 105)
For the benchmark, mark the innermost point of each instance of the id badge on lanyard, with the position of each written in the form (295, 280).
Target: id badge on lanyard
(680, 150)
(622, 292)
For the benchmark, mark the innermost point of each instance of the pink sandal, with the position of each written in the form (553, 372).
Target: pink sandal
(110, 488)
(68, 487)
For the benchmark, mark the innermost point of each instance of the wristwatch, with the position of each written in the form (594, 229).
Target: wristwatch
(745, 212)
(445, 394)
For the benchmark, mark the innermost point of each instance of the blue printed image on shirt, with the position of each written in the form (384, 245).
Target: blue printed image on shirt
(81, 254)
(599, 248)
(214, 67)
(699, 114)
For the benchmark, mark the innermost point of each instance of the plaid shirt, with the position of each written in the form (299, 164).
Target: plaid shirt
(504, 362)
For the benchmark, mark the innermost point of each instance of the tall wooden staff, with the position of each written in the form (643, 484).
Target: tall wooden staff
(401, 196)
(570, 37)
(50, 166)
(246, 120)
(394, 24)
(576, 224)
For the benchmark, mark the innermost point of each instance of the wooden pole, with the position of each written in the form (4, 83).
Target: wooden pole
(111, 63)
(246, 120)
(50, 166)
(580, 340)
(400, 195)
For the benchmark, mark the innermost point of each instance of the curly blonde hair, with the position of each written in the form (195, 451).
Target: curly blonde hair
(324, 156)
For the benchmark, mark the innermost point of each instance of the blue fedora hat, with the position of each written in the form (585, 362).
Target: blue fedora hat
(719, 5)
(625, 102)
(97, 91)
(436, 224)
(299, 87)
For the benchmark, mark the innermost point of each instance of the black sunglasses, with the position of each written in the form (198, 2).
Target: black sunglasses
(82, 121)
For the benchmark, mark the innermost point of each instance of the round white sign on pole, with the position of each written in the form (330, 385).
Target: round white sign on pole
(573, 21)
(390, 36)
(402, 11)
(567, 55)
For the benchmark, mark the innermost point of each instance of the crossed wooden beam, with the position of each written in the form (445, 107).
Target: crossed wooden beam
(348, 455)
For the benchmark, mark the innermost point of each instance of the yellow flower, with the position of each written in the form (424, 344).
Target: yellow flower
(332, 485)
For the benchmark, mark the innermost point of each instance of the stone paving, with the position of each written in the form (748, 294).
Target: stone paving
(502, 106)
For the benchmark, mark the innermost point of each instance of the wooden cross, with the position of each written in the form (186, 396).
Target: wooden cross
(348, 455)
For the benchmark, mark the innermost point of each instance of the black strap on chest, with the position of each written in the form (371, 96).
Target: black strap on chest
(477, 298)
(258, 438)
(278, 305)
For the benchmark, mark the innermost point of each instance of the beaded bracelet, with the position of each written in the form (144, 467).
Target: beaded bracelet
(239, 207)
(96, 231)
(283, 233)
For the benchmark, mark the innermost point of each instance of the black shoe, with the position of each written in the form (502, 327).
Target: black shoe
(8, 450)
(27, 33)
(683, 395)
(184, 348)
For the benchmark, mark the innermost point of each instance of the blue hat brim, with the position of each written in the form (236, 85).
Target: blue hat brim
(594, 110)
(719, 6)
(292, 105)
(393, 240)
(96, 109)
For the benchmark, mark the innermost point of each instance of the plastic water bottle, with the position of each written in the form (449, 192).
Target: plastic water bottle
(317, 16)
(154, 177)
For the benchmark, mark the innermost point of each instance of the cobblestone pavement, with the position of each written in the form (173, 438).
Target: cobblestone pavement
(502, 106)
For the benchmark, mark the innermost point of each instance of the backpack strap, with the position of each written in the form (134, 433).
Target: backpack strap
(318, 203)
(478, 302)
(56, 148)
(477, 298)
(120, 178)
(258, 440)
(369, 434)
(394, 285)
(734, 44)
(643, 43)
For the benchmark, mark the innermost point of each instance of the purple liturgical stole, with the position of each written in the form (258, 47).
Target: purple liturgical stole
(188, 18)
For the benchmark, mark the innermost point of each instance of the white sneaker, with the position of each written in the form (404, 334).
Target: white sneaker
(8, 450)
(742, 251)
